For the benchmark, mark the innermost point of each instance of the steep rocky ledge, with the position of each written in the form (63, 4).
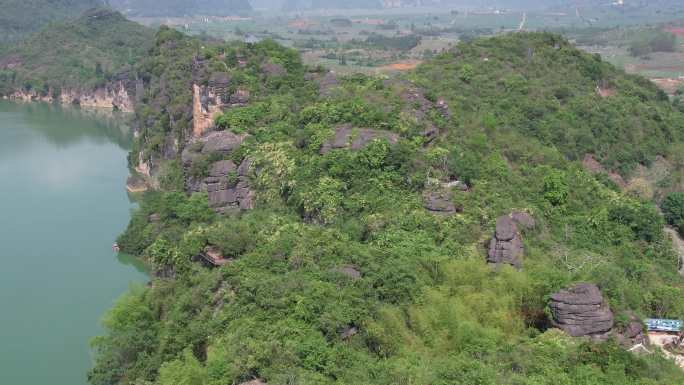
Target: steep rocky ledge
(119, 95)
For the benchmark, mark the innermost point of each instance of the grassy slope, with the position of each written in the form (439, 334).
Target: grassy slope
(428, 309)
(19, 18)
(69, 53)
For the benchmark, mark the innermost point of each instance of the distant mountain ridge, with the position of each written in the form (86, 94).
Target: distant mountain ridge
(19, 18)
(152, 8)
(292, 5)
(68, 60)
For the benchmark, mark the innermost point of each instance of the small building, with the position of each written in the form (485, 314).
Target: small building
(213, 257)
(654, 325)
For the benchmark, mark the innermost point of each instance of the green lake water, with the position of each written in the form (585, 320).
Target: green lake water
(62, 204)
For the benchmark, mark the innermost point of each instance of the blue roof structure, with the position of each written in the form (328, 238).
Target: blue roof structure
(663, 325)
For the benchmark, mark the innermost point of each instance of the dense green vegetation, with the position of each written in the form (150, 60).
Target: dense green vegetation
(20, 18)
(653, 41)
(83, 53)
(673, 210)
(428, 310)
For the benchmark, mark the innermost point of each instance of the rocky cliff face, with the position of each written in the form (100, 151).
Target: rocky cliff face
(209, 101)
(116, 95)
(226, 184)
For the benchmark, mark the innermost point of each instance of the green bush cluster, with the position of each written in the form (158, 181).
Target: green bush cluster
(426, 308)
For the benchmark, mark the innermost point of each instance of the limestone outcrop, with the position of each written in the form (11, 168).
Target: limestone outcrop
(439, 201)
(255, 382)
(350, 272)
(632, 333)
(209, 101)
(116, 95)
(419, 106)
(226, 183)
(356, 138)
(580, 310)
(273, 69)
(523, 220)
(223, 142)
(506, 247)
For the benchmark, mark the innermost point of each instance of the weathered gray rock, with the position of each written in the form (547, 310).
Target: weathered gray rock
(258, 381)
(170, 149)
(328, 83)
(222, 168)
(221, 141)
(356, 138)
(245, 167)
(349, 271)
(439, 201)
(349, 332)
(523, 219)
(273, 69)
(580, 310)
(239, 98)
(506, 246)
(632, 333)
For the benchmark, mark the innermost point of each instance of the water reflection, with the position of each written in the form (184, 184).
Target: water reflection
(135, 262)
(74, 123)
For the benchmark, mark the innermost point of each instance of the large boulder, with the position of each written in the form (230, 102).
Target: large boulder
(258, 381)
(580, 310)
(523, 220)
(356, 138)
(439, 201)
(506, 247)
(632, 333)
(350, 272)
(221, 141)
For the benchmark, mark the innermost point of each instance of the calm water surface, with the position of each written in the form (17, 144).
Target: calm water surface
(62, 204)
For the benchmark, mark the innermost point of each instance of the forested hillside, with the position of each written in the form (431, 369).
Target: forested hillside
(19, 18)
(95, 48)
(351, 219)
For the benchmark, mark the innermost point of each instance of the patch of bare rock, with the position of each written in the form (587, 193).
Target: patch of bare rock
(506, 246)
(592, 165)
(581, 310)
(226, 184)
(348, 137)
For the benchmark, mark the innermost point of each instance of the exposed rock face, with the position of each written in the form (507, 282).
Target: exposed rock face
(349, 332)
(419, 106)
(439, 201)
(327, 84)
(273, 69)
(255, 382)
(10, 62)
(580, 311)
(592, 165)
(223, 142)
(202, 118)
(356, 139)
(632, 334)
(113, 96)
(209, 101)
(227, 186)
(350, 271)
(506, 246)
(523, 220)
